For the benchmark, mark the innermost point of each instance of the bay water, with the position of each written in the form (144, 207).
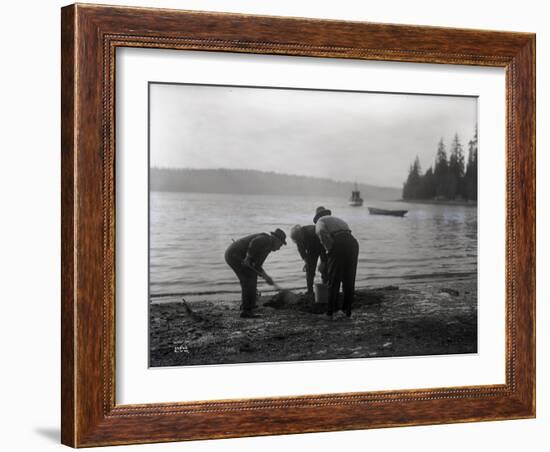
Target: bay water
(189, 233)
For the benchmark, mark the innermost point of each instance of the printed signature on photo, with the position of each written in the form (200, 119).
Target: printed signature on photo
(181, 349)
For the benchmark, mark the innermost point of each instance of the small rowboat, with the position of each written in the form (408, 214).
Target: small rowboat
(393, 213)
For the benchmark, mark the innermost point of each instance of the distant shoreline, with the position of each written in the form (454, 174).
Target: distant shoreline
(438, 202)
(285, 195)
(258, 183)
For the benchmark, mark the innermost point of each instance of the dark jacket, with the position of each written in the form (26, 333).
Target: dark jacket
(255, 248)
(311, 245)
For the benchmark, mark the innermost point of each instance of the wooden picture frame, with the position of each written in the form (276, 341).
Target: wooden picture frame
(90, 36)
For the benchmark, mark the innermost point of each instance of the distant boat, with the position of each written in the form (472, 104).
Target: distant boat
(356, 200)
(393, 213)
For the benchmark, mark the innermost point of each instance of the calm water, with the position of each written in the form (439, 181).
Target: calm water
(189, 233)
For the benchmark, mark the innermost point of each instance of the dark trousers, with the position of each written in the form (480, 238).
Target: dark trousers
(311, 267)
(342, 267)
(247, 278)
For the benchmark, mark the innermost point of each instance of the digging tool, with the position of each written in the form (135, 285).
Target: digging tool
(284, 293)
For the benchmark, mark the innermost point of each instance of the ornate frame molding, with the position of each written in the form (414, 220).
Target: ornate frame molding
(90, 37)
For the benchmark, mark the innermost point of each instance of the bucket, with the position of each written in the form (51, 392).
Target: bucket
(321, 293)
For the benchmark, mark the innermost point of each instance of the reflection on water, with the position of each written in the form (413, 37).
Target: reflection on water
(189, 233)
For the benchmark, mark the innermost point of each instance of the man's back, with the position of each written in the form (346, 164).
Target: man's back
(327, 226)
(255, 246)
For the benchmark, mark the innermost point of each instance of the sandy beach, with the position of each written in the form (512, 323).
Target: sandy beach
(418, 319)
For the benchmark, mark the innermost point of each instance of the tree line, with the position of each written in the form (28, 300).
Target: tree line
(450, 178)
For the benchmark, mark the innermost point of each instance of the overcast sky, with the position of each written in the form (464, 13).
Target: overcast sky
(368, 137)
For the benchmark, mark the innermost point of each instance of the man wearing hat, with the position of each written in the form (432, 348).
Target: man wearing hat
(310, 249)
(246, 257)
(342, 252)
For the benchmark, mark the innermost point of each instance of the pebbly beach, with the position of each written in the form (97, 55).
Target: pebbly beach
(417, 319)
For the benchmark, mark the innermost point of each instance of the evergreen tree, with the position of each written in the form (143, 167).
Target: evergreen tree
(407, 185)
(441, 170)
(428, 185)
(455, 185)
(470, 178)
(412, 187)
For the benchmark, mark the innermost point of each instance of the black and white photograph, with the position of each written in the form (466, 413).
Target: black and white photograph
(294, 224)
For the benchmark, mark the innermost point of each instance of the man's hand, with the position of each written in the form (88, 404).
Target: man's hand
(268, 279)
(304, 269)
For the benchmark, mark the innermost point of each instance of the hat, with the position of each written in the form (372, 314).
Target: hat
(280, 234)
(321, 212)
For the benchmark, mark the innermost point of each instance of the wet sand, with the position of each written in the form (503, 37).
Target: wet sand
(418, 319)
